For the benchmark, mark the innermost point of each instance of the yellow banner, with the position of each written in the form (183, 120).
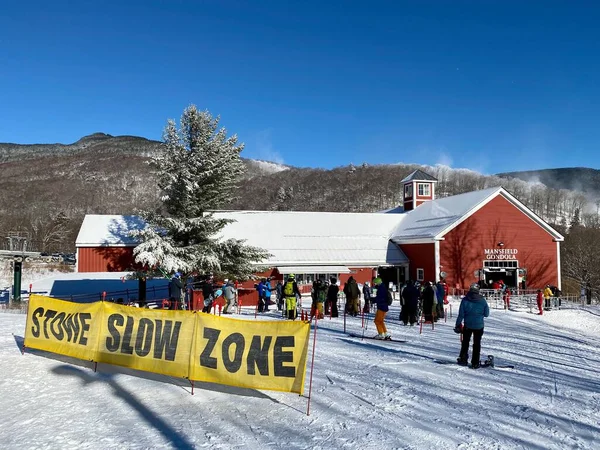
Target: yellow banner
(259, 355)
(145, 339)
(202, 347)
(62, 327)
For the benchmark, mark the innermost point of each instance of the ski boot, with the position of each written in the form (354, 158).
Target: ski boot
(489, 361)
(462, 362)
(387, 337)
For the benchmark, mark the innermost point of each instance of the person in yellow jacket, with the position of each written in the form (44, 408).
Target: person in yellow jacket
(291, 293)
(547, 295)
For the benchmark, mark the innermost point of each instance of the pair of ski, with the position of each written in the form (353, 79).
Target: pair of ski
(373, 338)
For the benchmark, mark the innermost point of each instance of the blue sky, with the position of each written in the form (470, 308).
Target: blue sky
(489, 85)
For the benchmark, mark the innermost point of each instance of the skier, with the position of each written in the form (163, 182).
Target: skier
(381, 299)
(540, 301)
(473, 309)
(279, 293)
(260, 288)
(440, 292)
(318, 294)
(367, 297)
(175, 287)
(352, 294)
(429, 303)
(267, 293)
(410, 298)
(506, 298)
(290, 295)
(547, 296)
(331, 304)
(229, 294)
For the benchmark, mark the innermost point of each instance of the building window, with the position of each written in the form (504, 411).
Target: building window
(424, 189)
(420, 274)
(408, 190)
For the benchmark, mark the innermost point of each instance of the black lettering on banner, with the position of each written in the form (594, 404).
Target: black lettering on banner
(143, 340)
(205, 359)
(259, 355)
(114, 321)
(67, 325)
(126, 347)
(233, 365)
(60, 317)
(85, 326)
(280, 357)
(166, 341)
(35, 329)
(49, 315)
(74, 325)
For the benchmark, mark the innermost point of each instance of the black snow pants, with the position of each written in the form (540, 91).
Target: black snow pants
(464, 349)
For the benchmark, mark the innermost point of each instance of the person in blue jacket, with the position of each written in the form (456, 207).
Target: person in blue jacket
(267, 293)
(260, 288)
(473, 309)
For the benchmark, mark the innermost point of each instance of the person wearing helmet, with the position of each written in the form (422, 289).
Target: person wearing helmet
(547, 296)
(381, 299)
(331, 302)
(290, 296)
(473, 309)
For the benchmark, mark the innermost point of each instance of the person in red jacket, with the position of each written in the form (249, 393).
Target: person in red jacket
(540, 301)
(506, 298)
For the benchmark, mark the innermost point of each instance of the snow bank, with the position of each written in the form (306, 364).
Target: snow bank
(366, 394)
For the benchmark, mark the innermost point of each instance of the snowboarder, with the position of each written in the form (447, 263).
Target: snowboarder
(352, 295)
(540, 301)
(410, 303)
(473, 309)
(331, 305)
(290, 295)
(208, 294)
(175, 287)
(382, 301)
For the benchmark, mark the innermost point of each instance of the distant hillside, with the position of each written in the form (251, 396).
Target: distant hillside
(48, 188)
(579, 179)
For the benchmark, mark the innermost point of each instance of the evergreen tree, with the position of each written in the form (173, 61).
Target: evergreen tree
(197, 170)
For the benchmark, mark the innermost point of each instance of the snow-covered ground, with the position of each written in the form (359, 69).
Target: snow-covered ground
(366, 394)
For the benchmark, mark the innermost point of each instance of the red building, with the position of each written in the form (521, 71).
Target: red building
(478, 236)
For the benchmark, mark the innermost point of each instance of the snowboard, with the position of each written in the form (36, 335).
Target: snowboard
(373, 339)
(489, 362)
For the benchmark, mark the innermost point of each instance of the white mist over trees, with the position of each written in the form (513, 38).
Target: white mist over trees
(197, 170)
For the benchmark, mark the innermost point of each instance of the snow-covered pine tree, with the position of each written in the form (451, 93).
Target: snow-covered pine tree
(197, 168)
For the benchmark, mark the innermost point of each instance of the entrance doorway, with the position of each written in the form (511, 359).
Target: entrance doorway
(506, 271)
(392, 274)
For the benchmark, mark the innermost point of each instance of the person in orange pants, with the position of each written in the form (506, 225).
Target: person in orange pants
(381, 299)
(540, 301)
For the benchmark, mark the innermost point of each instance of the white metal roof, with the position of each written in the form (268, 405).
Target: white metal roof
(318, 238)
(108, 230)
(292, 238)
(285, 270)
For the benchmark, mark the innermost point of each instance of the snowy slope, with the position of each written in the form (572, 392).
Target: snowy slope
(366, 394)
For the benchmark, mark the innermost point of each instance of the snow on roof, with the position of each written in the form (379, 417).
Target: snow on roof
(108, 230)
(419, 175)
(318, 238)
(293, 238)
(431, 220)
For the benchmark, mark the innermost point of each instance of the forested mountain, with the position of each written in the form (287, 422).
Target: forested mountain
(574, 178)
(48, 188)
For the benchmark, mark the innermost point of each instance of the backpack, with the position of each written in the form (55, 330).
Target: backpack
(288, 289)
(321, 295)
(390, 299)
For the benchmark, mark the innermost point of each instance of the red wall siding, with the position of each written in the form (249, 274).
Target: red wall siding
(421, 256)
(462, 251)
(105, 259)
(360, 275)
